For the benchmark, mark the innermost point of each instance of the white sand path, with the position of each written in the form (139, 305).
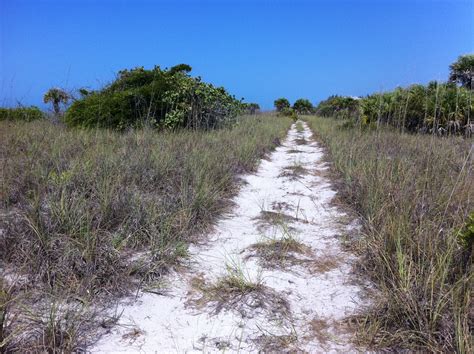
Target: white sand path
(302, 306)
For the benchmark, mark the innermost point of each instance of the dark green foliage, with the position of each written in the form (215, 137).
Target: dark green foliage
(339, 107)
(462, 71)
(289, 112)
(159, 98)
(21, 114)
(84, 92)
(281, 103)
(438, 108)
(303, 106)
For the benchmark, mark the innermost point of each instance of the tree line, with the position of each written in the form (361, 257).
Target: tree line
(438, 107)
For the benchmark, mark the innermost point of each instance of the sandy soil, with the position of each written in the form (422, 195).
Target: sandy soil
(282, 245)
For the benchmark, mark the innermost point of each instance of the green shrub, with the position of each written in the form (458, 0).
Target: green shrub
(338, 107)
(21, 114)
(158, 98)
(281, 104)
(289, 112)
(303, 106)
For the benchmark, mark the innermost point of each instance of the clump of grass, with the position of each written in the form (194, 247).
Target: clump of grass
(295, 171)
(301, 141)
(76, 206)
(238, 291)
(294, 151)
(275, 218)
(280, 252)
(271, 343)
(62, 325)
(236, 281)
(414, 193)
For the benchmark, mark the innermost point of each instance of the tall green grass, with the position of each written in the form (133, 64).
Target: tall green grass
(414, 194)
(86, 214)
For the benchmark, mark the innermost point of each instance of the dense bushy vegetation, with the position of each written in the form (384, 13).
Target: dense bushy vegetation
(414, 194)
(27, 114)
(281, 104)
(76, 204)
(303, 106)
(338, 107)
(438, 108)
(441, 108)
(168, 98)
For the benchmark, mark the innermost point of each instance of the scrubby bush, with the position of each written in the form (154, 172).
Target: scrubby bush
(21, 114)
(338, 107)
(281, 104)
(168, 98)
(289, 112)
(303, 106)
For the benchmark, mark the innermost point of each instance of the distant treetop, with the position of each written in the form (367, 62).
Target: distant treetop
(281, 103)
(462, 71)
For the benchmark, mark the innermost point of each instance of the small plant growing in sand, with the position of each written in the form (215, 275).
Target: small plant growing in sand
(275, 252)
(237, 280)
(295, 171)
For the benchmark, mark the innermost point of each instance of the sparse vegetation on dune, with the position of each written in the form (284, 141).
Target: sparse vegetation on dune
(88, 214)
(415, 196)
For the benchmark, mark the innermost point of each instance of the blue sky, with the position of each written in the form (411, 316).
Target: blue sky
(259, 50)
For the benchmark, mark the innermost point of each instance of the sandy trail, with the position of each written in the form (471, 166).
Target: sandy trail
(297, 298)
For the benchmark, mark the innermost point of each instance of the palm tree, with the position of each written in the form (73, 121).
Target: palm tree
(462, 71)
(281, 103)
(56, 96)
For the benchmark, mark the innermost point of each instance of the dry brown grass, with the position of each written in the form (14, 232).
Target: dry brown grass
(76, 206)
(301, 141)
(414, 194)
(294, 171)
(269, 343)
(236, 291)
(294, 151)
(275, 218)
(280, 253)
